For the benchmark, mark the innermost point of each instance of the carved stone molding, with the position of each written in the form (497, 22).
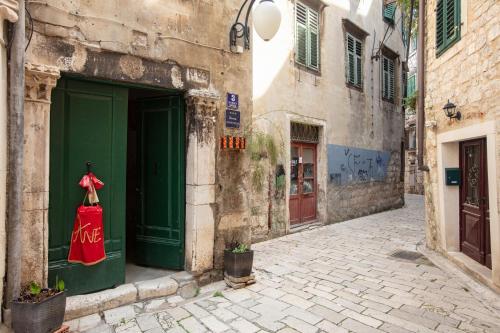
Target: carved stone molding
(40, 79)
(9, 10)
(202, 107)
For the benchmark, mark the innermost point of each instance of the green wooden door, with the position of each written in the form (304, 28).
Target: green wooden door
(88, 122)
(160, 228)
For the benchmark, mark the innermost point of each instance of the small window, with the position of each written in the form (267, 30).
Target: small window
(354, 60)
(307, 36)
(447, 24)
(389, 12)
(388, 79)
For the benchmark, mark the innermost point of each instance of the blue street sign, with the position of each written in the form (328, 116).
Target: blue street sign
(232, 101)
(232, 119)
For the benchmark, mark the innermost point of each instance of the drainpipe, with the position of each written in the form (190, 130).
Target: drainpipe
(15, 159)
(421, 86)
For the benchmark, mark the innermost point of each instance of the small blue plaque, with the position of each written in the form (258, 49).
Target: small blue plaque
(232, 101)
(232, 119)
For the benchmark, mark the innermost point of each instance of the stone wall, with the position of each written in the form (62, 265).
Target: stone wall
(360, 199)
(475, 90)
(8, 12)
(176, 44)
(468, 75)
(414, 178)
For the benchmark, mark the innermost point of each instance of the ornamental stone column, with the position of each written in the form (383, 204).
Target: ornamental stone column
(40, 80)
(201, 119)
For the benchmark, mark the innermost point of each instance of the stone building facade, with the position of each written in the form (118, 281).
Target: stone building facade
(339, 136)
(94, 72)
(462, 66)
(8, 13)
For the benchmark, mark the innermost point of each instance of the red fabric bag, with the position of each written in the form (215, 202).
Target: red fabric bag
(87, 239)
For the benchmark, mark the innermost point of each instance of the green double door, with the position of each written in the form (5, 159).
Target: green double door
(88, 122)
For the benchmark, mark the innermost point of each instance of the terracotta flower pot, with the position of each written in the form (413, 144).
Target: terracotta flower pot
(238, 264)
(44, 317)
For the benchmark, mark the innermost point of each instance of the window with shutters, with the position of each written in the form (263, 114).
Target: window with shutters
(447, 24)
(389, 12)
(388, 79)
(307, 36)
(354, 61)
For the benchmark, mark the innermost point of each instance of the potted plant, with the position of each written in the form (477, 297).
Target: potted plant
(238, 260)
(39, 310)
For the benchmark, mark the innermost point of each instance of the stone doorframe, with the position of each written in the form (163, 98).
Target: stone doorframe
(449, 197)
(201, 118)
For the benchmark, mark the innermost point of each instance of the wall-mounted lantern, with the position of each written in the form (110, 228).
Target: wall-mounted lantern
(266, 20)
(450, 110)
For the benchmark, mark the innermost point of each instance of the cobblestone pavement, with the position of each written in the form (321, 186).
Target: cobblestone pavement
(338, 278)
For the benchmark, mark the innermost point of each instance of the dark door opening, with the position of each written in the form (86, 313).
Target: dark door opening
(474, 202)
(155, 184)
(302, 203)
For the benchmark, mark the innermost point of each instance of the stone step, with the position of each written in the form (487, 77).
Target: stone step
(181, 283)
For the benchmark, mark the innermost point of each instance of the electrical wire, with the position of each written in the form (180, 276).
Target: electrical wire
(32, 26)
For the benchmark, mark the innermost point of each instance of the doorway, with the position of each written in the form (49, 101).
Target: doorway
(303, 183)
(475, 238)
(135, 140)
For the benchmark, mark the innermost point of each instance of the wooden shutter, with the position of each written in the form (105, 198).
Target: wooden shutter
(411, 85)
(447, 24)
(301, 34)
(388, 79)
(389, 12)
(354, 66)
(313, 29)
(359, 67)
(439, 25)
(307, 36)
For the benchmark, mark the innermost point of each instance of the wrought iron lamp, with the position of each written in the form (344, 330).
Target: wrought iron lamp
(450, 110)
(266, 20)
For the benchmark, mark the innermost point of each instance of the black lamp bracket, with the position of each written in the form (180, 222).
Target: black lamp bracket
(239, 29)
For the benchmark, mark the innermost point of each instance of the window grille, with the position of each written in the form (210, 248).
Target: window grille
(304, 133)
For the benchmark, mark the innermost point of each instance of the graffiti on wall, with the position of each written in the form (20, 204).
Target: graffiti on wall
(347, 165)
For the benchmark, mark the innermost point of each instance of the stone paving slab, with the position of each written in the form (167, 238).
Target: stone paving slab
(337, 278)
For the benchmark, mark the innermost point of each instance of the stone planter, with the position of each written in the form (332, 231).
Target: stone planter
(238, 264)
(44, 317)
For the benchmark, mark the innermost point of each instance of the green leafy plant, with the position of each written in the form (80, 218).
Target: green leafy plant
(59, 285)
(35, 288)
(410, 102)
(241, 248)
(218, 294)
(258, 178)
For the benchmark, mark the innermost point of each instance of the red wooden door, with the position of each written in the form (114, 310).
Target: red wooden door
(474, 203)
(303, 180)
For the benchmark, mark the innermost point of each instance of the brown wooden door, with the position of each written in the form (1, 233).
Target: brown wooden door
(303, 180)
(474, 203)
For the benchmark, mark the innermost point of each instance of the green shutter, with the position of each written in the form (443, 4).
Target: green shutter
(307, 36)
(388, 79)
(447, 24)
(301, 34)
(354, 67)
(313, 25)
(411, 85)
(389, 12)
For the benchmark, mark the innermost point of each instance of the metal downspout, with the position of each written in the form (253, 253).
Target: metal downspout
(421, 86)
(15, 157)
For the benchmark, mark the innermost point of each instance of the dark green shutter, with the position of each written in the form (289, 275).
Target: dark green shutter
(354, 67)
(388, 79)
(313, 28)
(447, 24)
(411, 85)
(359, 68)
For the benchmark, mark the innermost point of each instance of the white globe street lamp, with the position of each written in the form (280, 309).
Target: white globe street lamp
(267, 20)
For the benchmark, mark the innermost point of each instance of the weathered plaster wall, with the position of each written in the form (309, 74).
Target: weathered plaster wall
(173, 44)
(283, 91)
(8, 12)
(467, 74)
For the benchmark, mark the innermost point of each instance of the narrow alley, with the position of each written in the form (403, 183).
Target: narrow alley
(345, 277)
